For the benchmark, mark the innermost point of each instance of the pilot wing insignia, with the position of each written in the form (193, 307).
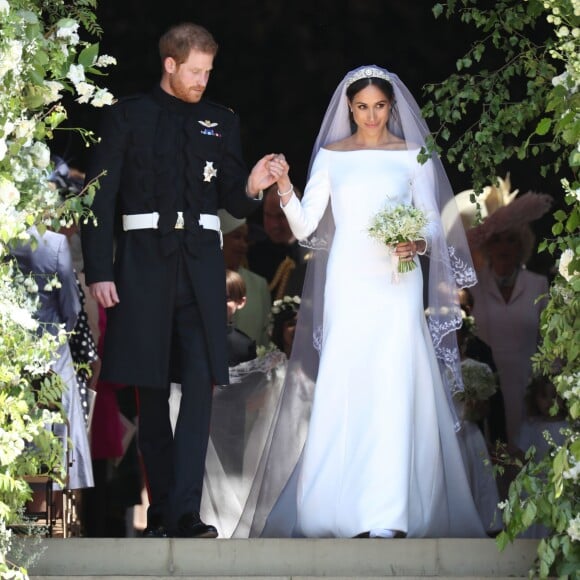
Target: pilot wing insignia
(206, 123)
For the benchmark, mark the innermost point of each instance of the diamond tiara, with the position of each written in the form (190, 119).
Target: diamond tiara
(367, 73)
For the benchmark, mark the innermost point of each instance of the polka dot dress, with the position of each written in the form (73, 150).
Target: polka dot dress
(84, 352)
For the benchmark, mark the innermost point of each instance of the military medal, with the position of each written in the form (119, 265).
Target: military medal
(209, 171)
(208, 128)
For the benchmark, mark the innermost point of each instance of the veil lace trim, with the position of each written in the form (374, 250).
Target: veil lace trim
(262, 365)
(463, 272)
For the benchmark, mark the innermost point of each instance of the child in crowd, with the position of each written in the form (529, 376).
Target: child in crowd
(241, 347)
(541, 397)
(284, 315)
(545, 415)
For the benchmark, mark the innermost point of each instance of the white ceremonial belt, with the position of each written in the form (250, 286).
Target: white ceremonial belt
(150, 221)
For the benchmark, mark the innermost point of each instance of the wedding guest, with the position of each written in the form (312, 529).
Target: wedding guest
(492, 423)
(473, 406)
(541, 428)
(253, 318)
(241, 347)
(509, 299)
(541, 400)
(47, 257)
(284, 319)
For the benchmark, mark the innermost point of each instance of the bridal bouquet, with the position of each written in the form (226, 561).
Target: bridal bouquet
(402, 223)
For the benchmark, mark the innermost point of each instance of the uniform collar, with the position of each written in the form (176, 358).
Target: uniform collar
(172, 103)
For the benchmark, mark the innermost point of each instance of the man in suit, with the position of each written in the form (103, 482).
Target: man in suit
(172, 158)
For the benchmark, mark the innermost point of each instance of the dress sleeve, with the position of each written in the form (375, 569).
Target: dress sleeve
(304, 216)
(423, 191)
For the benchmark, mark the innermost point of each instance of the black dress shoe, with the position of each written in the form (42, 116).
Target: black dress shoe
(363, 535)
(191, 526)
(158, 531)
(155, 527)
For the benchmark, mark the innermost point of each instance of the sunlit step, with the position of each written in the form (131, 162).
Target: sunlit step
(296, 559)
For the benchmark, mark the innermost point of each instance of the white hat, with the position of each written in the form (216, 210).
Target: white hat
(228, 222)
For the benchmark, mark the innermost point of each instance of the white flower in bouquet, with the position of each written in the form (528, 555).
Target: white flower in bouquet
(478, 380)
(402, 223)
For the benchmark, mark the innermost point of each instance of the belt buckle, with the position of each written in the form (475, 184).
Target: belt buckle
(179, 224)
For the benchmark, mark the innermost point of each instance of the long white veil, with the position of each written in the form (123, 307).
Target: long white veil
(270, 508)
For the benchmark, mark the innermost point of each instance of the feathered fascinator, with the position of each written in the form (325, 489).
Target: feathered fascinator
(500, 209)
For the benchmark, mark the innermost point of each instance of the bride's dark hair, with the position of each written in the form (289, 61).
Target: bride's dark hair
(383, 85)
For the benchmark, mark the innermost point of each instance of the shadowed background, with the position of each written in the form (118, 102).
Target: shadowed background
(280, 61)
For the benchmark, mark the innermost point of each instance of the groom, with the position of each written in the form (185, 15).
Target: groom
(154, 260)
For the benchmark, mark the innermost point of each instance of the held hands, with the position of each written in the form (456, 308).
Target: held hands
(105, 293)
(270, 169)
(406, 251)
(280, 168)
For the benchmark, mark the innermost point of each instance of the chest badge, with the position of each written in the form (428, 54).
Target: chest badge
(209, 128)
(209, 171)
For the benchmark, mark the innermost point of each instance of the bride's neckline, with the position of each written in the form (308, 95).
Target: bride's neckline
(367, 149)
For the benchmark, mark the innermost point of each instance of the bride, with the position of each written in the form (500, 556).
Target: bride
(365, 442)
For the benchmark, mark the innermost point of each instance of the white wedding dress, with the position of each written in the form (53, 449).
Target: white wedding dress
(381, 451)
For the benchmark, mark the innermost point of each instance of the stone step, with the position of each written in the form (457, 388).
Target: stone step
(256, 577)
(296, 559)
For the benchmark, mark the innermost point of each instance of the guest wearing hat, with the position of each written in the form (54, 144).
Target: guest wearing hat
(254, 317)
(508, 298)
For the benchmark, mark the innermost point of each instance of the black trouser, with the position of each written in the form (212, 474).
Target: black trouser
(175, 464)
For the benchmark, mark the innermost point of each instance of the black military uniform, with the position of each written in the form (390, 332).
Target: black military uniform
(169, 166)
